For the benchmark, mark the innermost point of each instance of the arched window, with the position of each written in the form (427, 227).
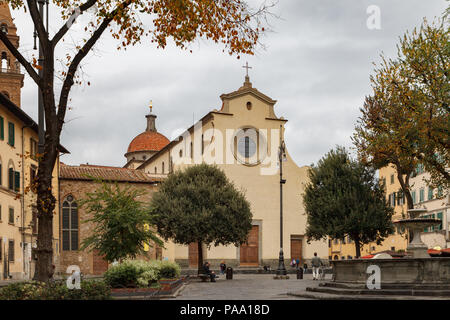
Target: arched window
(156, 171)
(69, 224)
(4, 28)
(4, 60)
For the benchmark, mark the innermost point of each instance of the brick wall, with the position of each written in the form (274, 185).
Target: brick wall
(85, 259)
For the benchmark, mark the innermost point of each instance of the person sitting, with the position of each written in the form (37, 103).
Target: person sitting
(208, 272)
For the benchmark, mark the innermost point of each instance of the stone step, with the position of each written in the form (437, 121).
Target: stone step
(415, 286)
(384, 292)
(328, 296)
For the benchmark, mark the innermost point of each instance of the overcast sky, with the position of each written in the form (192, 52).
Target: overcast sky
(316, 64)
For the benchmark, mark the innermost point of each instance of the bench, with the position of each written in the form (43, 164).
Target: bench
(204, 277)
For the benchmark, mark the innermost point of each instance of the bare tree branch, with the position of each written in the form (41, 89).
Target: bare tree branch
(65, 28)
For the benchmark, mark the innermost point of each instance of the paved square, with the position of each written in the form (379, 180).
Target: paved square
(247, 287)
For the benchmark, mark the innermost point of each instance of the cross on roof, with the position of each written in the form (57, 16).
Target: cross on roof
(151, 106)
(246, 67)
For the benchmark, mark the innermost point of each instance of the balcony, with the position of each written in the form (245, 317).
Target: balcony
(10, 70)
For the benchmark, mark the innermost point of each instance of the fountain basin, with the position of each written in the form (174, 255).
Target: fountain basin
(394, 271)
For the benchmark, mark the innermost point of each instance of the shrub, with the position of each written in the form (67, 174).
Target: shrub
(32, 290)
(132, 273)
(122, 275)
(169, 270)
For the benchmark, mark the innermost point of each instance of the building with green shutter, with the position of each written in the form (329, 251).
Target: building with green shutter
(18, 167)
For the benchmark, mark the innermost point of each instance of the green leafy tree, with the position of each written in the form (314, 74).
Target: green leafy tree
(343, 199)
(405, 121)
(200, 205)
(122, 224)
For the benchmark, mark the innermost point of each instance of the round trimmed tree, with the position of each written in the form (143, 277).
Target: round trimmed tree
(200, 205)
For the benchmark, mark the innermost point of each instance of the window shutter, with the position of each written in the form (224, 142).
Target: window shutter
(11, 250)
(17, 181)
(11, 216)
(11, 178)
(11, 134)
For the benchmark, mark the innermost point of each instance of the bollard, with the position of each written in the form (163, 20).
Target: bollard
(229, 273)
(299, 273)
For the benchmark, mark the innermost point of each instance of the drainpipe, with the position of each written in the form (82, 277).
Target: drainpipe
(23, 199)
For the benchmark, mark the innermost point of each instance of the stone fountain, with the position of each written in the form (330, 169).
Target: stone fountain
(418, 274)
(416, 224)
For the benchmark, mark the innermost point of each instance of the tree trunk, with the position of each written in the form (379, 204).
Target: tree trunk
(200, 257)
(45, 207)
(357, 247)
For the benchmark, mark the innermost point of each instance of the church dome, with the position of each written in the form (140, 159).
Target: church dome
(148, 141)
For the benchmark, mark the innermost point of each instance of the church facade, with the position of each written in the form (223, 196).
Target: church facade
(243, 138)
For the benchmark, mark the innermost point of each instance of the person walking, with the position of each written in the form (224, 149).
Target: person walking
(223, 267)
(316, 264)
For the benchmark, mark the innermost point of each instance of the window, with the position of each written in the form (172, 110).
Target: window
(33, 148)
(392, 248)
(421, 195)
(392, 179)
(181, 153)
(192, 151)
(1, 248)
(162, 167)
(70, 224)
(13, 180)
(0, 213)
(11, 216)
(413, 196)
(249, 105)
(11, 134)
(329, 243)
(430, 193)
(4, 28)
(342, 258)
(11, 251)
(156, 171)
(33, 176)
(439, 216)
(440, 192)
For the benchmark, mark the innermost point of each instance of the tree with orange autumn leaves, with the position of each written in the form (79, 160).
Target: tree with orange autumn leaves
(405, 122)
(231, 23)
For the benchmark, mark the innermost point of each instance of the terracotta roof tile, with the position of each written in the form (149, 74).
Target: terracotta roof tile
(85, 172)
(148, 141)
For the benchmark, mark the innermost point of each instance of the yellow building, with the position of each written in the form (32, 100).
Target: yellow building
(342, 249)
(18, 166)
(243, 139)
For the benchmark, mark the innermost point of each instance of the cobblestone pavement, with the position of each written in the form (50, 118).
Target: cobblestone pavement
(246, 287)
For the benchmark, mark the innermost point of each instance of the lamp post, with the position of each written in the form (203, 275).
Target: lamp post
(281, 271)
(41, 112)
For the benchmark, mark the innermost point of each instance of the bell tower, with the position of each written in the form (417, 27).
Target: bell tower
(11, 79)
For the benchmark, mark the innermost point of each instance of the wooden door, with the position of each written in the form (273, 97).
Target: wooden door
(193, 255)
(100, 265)
(249, 251)
(296, 250)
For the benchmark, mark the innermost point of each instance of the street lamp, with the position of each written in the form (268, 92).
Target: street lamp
(281, 271)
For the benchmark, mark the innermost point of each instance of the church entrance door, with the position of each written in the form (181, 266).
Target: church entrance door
(249, 250)
(296, 249)
(193, 255)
